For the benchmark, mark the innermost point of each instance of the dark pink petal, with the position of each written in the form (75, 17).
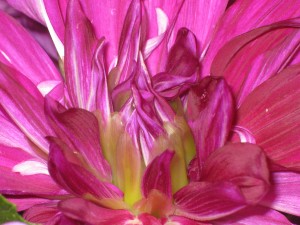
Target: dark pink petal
(147, 219)
(241, 18)
(254, 216)
(184, 221)
(32, 61)
(80, 42)
(244, 165)
(284, 193)
(182, 67)
(23, 104)
(26, 203)
(85, 211)
(79, 129)
(271, 114)
(67, 170)
(252, 58)
(209, 112)
(157, 175)
(208, 201)
(41, 213)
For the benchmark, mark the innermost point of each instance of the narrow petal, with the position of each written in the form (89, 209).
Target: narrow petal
(271, 114)
(245, 165)
(241, 18)
(79, 129)
(209, 112)
(42, 213)
(157, 175)
(255, 215)
(208, 201)
(23, 104)
(88, 212)
(254, 57)
(284, 193)
(32, 61)
(184, 221)
(66, 170)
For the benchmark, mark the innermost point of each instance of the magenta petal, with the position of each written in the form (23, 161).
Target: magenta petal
(245, 165)
(23, 104)
(85, 211)
(32, 61)
(208, 201)
(271, 114)
(184, 221)
(252, 58)
(209, 111)
(284, 194)
(65, 168)
(157, 175)
(41, 213)
(79, 130)
(241, 18)
(254, 216)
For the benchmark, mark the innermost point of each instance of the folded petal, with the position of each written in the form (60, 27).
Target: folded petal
(284, 193)
(42, 213)
(32, 61)
(252, 58)
(67, 170)
(245, 165)
(271, 115)
(88, 212)
(158, 176)
(241, 18)
(23, 104)
(209, 112)
(79, 130)
(208, 201)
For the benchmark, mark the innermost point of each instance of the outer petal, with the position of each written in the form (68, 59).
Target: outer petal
(42, 213)
(241, 18)
(88, 212)
(284, 194)
(208, 201)
(252, 58)
(271, 114)
(32, 61)
(209, 111)
(245, 165)
(157, 175)
(255, 215)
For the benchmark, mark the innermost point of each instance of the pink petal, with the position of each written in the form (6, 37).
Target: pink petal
(271, 114)
(184, 221)
(252, 58)
(32, 61)
(284, 193)
(26, 203)
(245, 165)
(80, 42)
(41, 213)
(79, 130)
(241, 18)
(66, 169)
(182, 67)
(85, 211)
(209, 111)
(157, 175)
(208, 201)
(147, 219)
(255, 215)
(23, 104)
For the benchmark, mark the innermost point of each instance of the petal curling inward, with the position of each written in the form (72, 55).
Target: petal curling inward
(244, 165)
(271, 114)
(209, 112)
(207, 201)
(252, 58)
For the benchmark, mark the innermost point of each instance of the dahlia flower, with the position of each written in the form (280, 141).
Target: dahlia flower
(163, 113)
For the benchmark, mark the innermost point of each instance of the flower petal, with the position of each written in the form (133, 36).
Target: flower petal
(241, 18)
(284, 193)
(157, 175)
(252, 58)
(41, 213)
(209, 112)
(32, 61)
(245, 165)
(271, 114)
(216, 200)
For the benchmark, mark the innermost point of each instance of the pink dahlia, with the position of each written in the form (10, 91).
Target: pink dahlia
(164, 112)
